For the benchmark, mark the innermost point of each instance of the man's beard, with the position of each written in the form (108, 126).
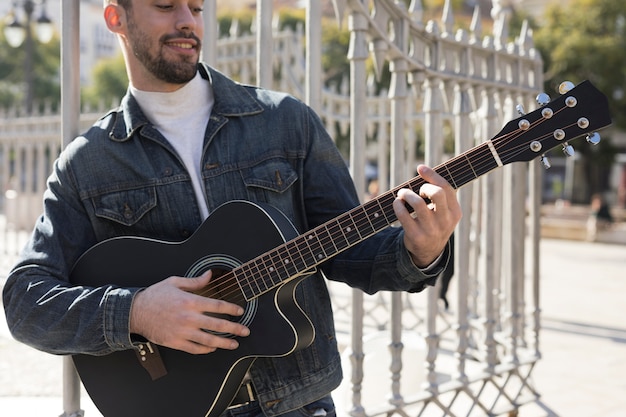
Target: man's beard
(178, 72)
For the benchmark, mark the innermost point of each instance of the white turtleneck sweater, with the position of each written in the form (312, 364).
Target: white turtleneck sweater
(182, 117)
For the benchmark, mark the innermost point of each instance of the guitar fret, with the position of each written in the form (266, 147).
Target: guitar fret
(349, 229)
(270, 275)
(340, 241)
(298, 256)
(243, 280)
(471, 167)
(271, 271)
(375, 215)
(251, 270)
(286, 262)
(308, 255)
(328, 243)
(313, 241)
(387, 210)
(309, 258)
(364, 223)
(450, 178)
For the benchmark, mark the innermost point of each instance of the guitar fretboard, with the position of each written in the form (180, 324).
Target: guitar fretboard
(305, 252)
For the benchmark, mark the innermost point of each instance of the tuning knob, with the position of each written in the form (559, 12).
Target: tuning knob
(545, 161)
(520, 109)
(568, 149)
(566, 86)
(593, 138)
(542, 99)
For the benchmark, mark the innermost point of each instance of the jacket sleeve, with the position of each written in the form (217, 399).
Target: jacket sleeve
(46, 311)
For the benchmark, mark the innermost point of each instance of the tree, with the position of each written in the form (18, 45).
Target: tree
(586, 39)
(110, 82)
(46, 77)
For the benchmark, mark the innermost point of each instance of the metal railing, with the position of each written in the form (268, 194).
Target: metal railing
(404, 354)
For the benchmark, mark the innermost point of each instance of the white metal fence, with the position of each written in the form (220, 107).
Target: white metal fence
(404, 354)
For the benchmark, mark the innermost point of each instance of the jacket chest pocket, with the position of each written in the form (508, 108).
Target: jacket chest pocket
(274, 176)
(125, 207)
(271, 182)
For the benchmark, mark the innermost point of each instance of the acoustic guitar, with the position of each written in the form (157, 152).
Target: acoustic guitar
(261, 273)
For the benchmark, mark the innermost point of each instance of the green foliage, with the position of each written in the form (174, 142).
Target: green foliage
(244, 18)
(438, 4)
(587, 40)
(46, 76)
(110, 82)
(335, 64)
(290, 18)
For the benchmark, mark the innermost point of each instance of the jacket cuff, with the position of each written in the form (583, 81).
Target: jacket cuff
(118, 302)
(409, 270)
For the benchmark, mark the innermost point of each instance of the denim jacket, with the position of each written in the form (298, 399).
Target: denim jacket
(122, 177)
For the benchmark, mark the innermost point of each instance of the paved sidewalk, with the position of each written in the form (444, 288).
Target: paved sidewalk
(583, 341)
(582, 372)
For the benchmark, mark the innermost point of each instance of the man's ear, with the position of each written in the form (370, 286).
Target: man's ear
(114, 17)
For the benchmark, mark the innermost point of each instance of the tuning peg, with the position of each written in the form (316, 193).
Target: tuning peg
(593, 138)
(565, 86)
(547, 112)
(520, 109)
(568, 149)
(542, 99)
(545, 161)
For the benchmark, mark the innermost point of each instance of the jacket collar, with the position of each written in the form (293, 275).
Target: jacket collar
(231, 100)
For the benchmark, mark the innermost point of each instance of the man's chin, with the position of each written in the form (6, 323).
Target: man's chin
(180, 75)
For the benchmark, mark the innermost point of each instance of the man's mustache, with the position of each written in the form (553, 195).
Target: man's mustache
(181, 35)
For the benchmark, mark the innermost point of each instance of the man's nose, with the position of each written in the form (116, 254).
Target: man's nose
(186, 20)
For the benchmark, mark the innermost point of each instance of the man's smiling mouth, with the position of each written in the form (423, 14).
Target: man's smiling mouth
(181, 45)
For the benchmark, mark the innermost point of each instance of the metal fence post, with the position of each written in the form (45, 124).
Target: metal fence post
(70, 108)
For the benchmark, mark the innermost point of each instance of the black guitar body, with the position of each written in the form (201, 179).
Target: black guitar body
(195, 385)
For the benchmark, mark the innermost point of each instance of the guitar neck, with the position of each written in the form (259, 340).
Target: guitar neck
(581, 110)
(307, 251)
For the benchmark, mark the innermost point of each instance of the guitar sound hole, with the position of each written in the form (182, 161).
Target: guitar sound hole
(224, 287)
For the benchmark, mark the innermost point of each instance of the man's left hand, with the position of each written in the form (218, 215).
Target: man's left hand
(428, 229)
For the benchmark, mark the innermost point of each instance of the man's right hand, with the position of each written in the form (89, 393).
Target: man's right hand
(169, 314)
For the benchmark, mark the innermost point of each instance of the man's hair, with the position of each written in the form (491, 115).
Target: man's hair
(126, 4)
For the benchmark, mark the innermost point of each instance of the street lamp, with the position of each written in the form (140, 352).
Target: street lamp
(17, 33)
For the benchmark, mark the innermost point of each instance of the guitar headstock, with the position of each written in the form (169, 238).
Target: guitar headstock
(578, 111)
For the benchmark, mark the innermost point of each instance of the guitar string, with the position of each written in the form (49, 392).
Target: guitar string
(282, 258)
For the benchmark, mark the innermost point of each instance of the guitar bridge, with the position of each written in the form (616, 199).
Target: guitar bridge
(150, 358)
